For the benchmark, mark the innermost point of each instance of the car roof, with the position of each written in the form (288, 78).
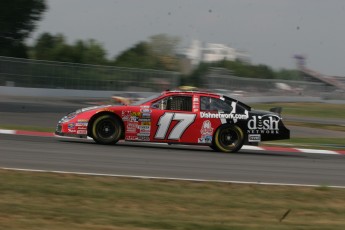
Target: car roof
(204, 93)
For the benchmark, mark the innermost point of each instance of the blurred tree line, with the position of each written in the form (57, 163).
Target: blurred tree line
(18, 19)
(157, 53)
(241, 69)
(55, 48)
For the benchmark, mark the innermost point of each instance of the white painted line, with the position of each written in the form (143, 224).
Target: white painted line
(319, 151)
(250, 147)
(6, 131)
(170, 178)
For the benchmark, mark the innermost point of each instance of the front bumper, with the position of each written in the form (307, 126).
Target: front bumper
(59, 132)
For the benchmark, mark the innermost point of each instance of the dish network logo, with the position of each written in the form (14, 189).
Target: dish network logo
(267, 124)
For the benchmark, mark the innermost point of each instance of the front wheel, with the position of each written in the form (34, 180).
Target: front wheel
(228, 139)
(106, 130)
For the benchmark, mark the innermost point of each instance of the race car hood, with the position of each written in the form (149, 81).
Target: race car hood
(72, 115)
(91, 108)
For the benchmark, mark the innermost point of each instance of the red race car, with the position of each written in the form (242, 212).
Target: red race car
(177, 117)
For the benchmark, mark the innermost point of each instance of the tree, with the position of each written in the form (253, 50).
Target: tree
(89, 52)
(138, 56)
(55, 48)
(18, 19)
(164, 45)
(158, 53)
(240, 69)
(165, 48)
(52, 48)
(43, 47)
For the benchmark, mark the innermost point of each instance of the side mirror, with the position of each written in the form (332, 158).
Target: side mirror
(155, 106)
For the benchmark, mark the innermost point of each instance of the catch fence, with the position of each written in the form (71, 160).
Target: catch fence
(223, 80)
(60, 75)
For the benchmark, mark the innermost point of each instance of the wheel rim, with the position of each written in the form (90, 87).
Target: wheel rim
(106, 129)
(229, 138)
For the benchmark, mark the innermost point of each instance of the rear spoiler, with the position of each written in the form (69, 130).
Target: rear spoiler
(277, 110)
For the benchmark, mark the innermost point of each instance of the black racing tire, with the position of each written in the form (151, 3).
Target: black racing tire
(228, 139)
(106, 130)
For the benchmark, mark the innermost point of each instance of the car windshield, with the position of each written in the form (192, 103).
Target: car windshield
(147, 99)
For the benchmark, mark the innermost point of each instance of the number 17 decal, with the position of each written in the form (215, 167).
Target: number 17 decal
(185, 120)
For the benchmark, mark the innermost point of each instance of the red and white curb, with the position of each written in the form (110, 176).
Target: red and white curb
(245, 147)
(26, 133)
(297, 150)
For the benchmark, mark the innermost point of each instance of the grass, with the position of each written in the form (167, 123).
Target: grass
(317, 110)
(316, 125)
(315, 143)
(32, 200)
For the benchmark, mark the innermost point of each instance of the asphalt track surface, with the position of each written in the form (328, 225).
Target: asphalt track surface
(183, 162)
(152, 160)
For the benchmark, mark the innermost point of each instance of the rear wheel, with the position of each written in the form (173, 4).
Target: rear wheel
(228, 139)
(106, 130)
